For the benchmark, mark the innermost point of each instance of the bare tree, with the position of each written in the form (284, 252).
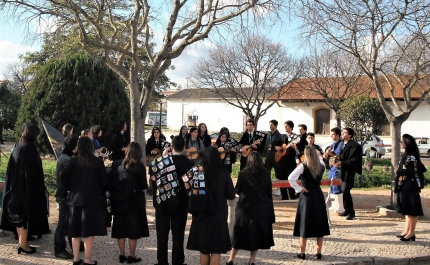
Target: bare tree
(246, 72)
(334, 75)
(19, 80)
(121, 33)
(390, 41)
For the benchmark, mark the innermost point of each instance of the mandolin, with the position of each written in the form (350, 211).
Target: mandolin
(283, 151)
(191, 153)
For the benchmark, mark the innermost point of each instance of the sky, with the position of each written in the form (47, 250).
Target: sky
(14, 41)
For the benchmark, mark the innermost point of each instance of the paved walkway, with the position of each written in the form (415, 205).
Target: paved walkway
(370, 239)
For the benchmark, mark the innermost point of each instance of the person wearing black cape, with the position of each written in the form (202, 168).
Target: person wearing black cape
(25, 206)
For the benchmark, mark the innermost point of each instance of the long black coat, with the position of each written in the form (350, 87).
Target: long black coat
(351, 157)
(29, 180)
(120, 141)
(126, 187)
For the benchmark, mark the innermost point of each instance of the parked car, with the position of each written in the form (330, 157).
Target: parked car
(214, 136)
(423, 145)
(374, 145)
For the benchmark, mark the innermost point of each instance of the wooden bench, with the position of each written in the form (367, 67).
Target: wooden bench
(286, 183)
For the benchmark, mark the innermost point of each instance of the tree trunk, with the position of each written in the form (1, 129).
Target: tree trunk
(395, 128)
(339, 123)
(137, 126)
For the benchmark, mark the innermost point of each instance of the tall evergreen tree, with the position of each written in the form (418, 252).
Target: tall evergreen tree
(76, 90)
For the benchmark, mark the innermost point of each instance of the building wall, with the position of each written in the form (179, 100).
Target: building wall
(217, 114)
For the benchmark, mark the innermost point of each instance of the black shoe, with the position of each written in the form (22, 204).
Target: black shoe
(131, 259)
(412, 238)
(301, 256)
(95, 262)
(400, 236)
(350, 217)
(79, 262)
(318, 256)
(64, 255)
(21, 250)
(229, 263)
(122, 258)
(343, 214)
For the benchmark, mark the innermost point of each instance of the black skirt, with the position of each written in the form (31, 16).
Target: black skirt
(311, 217)
(209, 236)
(133, 225)
(409, 203)
(252, 234)
(86, 222)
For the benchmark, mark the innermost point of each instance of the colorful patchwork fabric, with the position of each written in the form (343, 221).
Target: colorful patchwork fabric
(164, 175)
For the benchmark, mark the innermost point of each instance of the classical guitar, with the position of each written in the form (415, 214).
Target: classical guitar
(283, 151)
(191, 153)
(247, 149)
(155, 153)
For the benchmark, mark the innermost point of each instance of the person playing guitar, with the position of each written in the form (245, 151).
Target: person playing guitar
(155, 145)
(288, 161)
(251, 140)
(227, 148)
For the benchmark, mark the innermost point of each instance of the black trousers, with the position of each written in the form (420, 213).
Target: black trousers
(347, 198)
(62, 230)
(271, 163)
(175, 220)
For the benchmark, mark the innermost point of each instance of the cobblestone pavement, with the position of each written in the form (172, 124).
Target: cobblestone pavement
(370, 239)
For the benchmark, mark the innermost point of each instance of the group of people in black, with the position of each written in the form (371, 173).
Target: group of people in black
(181, 186)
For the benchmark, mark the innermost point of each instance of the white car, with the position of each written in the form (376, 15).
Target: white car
(374, 145)
(423, 145)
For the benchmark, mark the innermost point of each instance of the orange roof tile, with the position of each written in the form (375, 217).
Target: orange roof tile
(305, 89)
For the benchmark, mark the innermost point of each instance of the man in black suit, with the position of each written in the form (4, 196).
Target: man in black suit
(349, 164)
(288, 162)
(272, 138)
(250, 137)
(172, 213)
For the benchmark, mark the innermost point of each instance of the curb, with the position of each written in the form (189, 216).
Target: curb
(386, 261)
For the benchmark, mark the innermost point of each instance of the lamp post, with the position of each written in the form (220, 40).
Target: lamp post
(161, 110)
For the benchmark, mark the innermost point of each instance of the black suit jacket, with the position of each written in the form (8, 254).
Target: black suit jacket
(245, 140)
(351, 158)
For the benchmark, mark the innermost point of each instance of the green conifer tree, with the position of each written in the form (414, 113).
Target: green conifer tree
(76, 90)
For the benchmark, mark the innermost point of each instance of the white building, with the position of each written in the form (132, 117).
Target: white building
(194, 106)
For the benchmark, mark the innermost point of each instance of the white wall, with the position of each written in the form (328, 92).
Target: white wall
(217, 114)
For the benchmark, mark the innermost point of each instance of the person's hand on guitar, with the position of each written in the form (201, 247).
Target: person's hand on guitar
(168, 150)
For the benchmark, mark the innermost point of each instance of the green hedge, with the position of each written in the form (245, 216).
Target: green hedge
(49, 169)
(369, 179)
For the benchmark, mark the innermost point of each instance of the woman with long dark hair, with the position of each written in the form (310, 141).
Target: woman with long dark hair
(209, 229)
(85, 179)
(229, 146)
(25, 204)
(203, 134)
(409, 182)
(128, 201)
(183, 132)
(311, 216)
(120, 141)
(254, 210)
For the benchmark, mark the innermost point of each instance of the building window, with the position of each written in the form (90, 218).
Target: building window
(322, 121)
(193, 120)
